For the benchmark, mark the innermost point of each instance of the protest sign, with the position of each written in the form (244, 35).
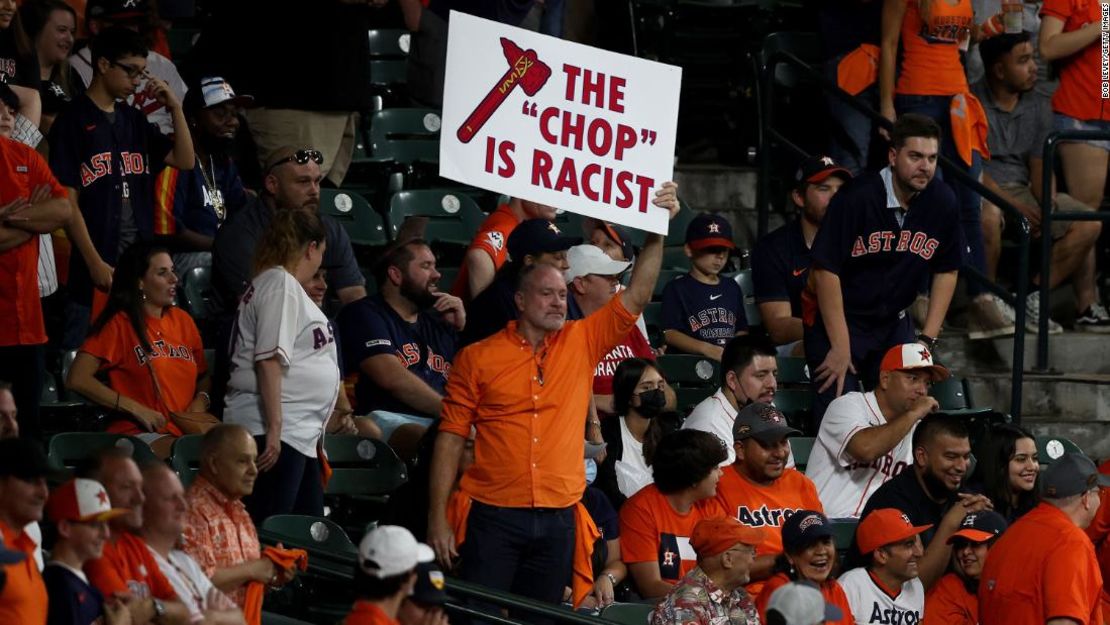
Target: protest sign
(558, 123)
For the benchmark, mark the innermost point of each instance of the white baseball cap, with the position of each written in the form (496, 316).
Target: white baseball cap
(389, 550)
(81, 500)
(590, 259)
(909, 356)
(801, 603)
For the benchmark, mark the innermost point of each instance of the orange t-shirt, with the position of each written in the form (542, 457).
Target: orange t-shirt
(366, 613)
(493, 239)
(21, 170)
(528, 408)
(766, 507)
(1079, 94)
(831, 590)
(652, 531)
(177, 361)
(1042, 567)
(127, 566)
(23, 599)
(931, 50)
(949, 603)
(1099, 533)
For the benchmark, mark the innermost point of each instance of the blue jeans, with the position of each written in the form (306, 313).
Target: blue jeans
(292, 486)
(851, 130)
(969, 201)
(526, 551)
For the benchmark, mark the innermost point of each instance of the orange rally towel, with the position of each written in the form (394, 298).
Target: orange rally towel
(585, 535)
(325, 466)
(859, 69)
(969, 126)
(284, 559)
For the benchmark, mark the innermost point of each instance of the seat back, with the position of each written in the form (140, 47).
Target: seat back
(312, 533)
(792, 370)
(804, 45)
(800, 448)
(751, 309)
(665, 277)
(653, 321)
(690, 371)
(1050, 448)
(404, 136)
(363, 466)
(951, 393)
(70, 449)
(453, 217)
(627, 613)
(389, 43)
(353, 211)
(197, 289)
(844, 534)
(797, 406)
(185, 458)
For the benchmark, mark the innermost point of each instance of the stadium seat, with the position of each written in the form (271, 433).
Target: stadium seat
(313, 533)
(665, 276)
(388, 72)
(844, 535)
(796, 404)
(627, 613)
(953, 397)
(363, 467)
(404, 136)
(688, 370)
(800, 447)
(686, 397)
(804, 45)
(390, 43)
(653, 321)
(1050, 448)
(570, 224)
(751, 309)
(674, 257)
(353, 211)
(792, 370)
(185, 458)
(453, 217)
(69, 449)
(53, 395)
(197, 290)
(447, 276)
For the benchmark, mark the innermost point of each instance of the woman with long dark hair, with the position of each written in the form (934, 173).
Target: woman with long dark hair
(809, 554)
(51, 26)
(1008, 470)
(284, 367)
(631, 437)
(150, 350)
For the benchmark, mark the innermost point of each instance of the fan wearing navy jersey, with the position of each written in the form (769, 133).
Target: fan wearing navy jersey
(884, 234)
(401, 342)
(780, 260)
(107, 155)
(701, 312)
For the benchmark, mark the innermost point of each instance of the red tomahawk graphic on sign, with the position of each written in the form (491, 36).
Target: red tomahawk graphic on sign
(525, 69)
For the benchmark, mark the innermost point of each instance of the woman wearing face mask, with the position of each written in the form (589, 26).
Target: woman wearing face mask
(809, 554)
(1008, 469)
(953, 600)
(639, 400)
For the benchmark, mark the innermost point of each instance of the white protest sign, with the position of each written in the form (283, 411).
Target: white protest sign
(558, 123)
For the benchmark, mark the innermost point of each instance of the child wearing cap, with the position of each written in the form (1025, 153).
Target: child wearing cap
(887, 589)
(80, 510)
(701, 312)
(809, 555)
(952, 600)
(385, 574)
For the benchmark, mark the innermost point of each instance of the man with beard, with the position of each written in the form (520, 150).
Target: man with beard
(953, 599)
(189, 206)
(884, 235)
(401, 342)
(928, 493)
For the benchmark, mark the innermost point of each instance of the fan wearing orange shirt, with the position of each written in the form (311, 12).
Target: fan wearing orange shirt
(809, 556)
(489, 248)
(952, 599)
(758, 489)
(1099, 533)
(657, 522)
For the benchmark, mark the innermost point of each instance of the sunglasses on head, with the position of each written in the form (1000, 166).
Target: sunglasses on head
(300, 157)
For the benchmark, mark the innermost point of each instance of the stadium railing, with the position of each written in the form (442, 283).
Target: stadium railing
(769, 135)
(460, 589)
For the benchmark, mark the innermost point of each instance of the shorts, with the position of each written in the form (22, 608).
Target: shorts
(1064, 203)
(1063, 122)
(390, 421)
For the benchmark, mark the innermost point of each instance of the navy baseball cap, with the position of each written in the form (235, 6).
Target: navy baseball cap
(803, 528)
(817, 168)
(538, 236)
(430, 585)
(117, 10)
(25, 459)
(979, 527)
(709, 230)
(763, 422)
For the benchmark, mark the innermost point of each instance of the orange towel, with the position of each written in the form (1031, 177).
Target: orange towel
(859, 69)
(325, 466)
(969, 126)
(286, 560)
(585, 535)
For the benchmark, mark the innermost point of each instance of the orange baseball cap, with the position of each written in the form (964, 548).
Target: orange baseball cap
(717, 535)
(911, 356)
(82, 501)
(883, 527)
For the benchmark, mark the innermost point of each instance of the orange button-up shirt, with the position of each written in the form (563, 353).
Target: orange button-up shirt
(23, 599)
(218, 531)
(529, 408)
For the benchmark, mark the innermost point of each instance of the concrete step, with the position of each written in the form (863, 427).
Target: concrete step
(1084, 352)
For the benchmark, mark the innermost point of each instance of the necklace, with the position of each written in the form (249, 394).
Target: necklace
(214, 194)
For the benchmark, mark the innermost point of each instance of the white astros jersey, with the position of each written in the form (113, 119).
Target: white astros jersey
(874, 605)
(843, 484)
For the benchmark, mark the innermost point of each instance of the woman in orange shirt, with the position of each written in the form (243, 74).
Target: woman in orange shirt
(809, 555)
(150, 350)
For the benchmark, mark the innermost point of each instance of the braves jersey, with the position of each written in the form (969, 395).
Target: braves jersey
(843, 483)
(874, 604)
(780, 267)
(108, 161)
(712, 313)
(882, 262)
(370, 327)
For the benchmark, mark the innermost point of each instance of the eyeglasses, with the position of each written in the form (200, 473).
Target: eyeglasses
(300, 157)
(132, 71)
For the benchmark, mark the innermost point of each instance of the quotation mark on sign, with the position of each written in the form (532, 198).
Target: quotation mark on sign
(648, 136)
(529, 110)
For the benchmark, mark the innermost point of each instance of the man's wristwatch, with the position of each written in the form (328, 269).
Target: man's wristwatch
(159, 609)
(927, 341)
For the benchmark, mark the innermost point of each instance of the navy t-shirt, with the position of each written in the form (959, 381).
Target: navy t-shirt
(370, 327)
(72, 600)
(882, 264)
(712, 313)
(780, 267)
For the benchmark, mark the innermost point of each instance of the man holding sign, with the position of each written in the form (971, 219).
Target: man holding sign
(525, 391)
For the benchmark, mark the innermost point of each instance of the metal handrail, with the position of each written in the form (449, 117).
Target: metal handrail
(767, 131)
(463, 589)
(1048, 168)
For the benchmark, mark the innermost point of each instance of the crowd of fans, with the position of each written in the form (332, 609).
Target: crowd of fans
(549, 452)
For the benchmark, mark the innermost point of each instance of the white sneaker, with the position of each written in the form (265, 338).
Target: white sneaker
(1033, 315)
(1006, 310)
(1094, 319)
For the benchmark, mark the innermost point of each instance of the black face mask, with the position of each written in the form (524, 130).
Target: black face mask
(651, 403)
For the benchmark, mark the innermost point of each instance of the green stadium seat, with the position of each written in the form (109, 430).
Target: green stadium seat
(792, 370)
(402, 136)
(688, 370)
(318, 534)
(953, 396)
(185, 458)
(751, 309)
(389, 43)
(665, 276)
(686, 398)
(353, 211)
(53, 395)
(69, 449)
(844, 534)
(628, 613)
(674, 257)
(1050, 448)
(800, 448)
(196, 286)
(453, 217)
(797, 405)
(363, 467)
(388, 72)
(653, 321)
(570, 224)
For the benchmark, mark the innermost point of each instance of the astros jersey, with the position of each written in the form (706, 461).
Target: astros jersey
(843, 484)
(109, 162)
(712, 313)
(874, 604)
(766, 507)
(881, 263)
(651, 531)
(780, 267)
(370, 327)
